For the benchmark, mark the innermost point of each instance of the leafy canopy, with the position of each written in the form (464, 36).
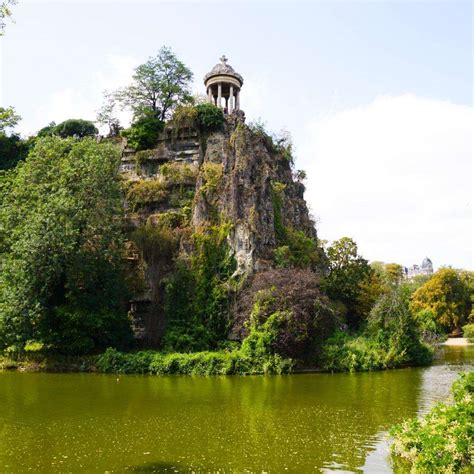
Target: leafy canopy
(78, 128)
(61, 283)
(158, 86)
(8, 118)
(346, 272)
(448, 296)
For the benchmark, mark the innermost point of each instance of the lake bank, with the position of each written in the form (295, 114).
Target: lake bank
(457, 341)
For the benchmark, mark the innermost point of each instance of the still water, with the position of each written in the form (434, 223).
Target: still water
(295, 423)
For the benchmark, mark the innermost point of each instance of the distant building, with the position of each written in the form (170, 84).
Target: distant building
(426, 268)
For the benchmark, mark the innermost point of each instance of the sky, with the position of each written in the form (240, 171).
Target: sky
(376, 95)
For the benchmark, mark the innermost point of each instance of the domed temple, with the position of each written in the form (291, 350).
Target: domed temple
(415, 270)
(223, 86)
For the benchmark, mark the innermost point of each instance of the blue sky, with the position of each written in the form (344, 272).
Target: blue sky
(377, 97)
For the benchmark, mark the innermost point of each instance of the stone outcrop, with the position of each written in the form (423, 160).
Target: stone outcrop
(251, 169)
(242, 178)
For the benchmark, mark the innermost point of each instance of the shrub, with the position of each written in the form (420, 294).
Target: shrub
(283, 312)
(113, 361)
(442, 440)
(143, 134)
(146, 191)
(199, 363)
(155, 242)
(211, 174)
(391, 324)
(468, 332)
(75, 128)
(179, 173)
(300, 251)
(184, 116)
(209, 117)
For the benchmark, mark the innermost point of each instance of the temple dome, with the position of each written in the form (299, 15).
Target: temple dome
(223, 69)
(427, 263)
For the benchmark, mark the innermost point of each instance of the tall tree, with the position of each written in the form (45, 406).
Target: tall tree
(61, 233)
(347, 270)
(158, 86)
(448, 296)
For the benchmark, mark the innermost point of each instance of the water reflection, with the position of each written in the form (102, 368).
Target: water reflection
(299, 423)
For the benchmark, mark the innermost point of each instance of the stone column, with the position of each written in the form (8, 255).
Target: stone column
(209, 95)
(219, 95)
(237, 100)
(231, 99)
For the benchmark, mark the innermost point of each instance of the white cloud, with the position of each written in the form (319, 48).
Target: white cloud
(70, 102)
(396, 175)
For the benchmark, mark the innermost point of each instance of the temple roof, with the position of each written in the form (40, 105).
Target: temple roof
(225, 69)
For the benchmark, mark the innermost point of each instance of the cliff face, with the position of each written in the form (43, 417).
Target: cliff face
(235, 176)
(254, 176)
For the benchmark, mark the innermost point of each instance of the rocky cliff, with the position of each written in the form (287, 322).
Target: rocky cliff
(192, 180)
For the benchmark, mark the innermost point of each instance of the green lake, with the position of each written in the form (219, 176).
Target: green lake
(294, 423)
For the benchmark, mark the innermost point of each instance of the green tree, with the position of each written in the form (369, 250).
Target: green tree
(346, 271)
(77, 128)
(8, 118)
(158, 86)
(61, 283)
(448, 295)
(394, 272)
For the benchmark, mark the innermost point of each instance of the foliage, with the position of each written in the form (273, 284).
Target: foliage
(198, 295)
(77, 128)
(209, 117)
(391, 324)
(295, 249)
(107, 116)
(62, 280)
(156, 242)
(198, 363)
(146, 191)
(391, 339)
(143, 133)
(158, 87)
(172, 185)
(448, 295)
(12, 150)
(347, 270)
(211, 174)
(179, 173)
(284, 312)
(442, 440)
(184, 116)
(468, 332)
(277, 191)
(300, 251)
(8, 118)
